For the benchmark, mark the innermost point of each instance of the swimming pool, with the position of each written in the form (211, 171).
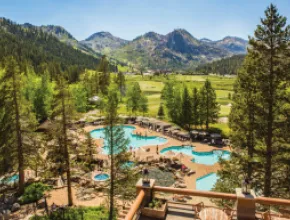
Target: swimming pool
(101, 177)
(135, 141)
(128, 165)
(207, 158)
(10, 180)
(206, 183)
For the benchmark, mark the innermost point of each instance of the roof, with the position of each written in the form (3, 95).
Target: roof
(45, 126)
(215, 135)
(183, 134)
(194, 132)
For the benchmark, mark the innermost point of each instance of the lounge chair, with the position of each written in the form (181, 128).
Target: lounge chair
(197, 208)
(232, 214)
(191, 172)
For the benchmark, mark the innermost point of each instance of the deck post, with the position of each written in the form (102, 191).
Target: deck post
(148, 189)
(246, 206)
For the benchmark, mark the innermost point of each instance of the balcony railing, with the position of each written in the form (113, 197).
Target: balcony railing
(245, 204)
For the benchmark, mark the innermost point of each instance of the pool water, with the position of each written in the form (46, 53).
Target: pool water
(134, 140)
(128, 165)
(10, 179)
(206, 183)
(101, 177)
(207, 158)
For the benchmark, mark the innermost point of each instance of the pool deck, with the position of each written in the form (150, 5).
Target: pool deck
(149, 153)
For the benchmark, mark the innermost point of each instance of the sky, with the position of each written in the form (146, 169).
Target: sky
(213, 19)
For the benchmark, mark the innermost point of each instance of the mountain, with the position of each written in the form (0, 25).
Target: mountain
(225, 66)
(64, 36)
(39, 49)
(234, 45)
(175, 50)
(178, 49)
(103, 42)
(206, 40)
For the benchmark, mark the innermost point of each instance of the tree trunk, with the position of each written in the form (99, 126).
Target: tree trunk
(207, 112)
(67, 159)
(269, 137)
(19, 139)
(112, 178)
(250, 140)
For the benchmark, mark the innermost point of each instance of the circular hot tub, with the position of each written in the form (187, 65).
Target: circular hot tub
(101, 177)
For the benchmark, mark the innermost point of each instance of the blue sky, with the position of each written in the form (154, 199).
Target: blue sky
(127, 19)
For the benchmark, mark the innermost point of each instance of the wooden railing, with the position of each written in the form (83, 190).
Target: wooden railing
(272, 201)
(195, 193)
(136, 205)
(260, 200)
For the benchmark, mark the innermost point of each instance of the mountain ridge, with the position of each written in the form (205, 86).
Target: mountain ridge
(176, 49)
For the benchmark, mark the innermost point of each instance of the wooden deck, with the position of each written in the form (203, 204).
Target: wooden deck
(177, 212)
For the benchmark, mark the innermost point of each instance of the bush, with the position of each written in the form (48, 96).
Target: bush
(33, 192)
(88, 213)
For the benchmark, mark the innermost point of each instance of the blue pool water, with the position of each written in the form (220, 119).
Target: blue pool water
(206, 182)
(101, 177)
(10, 179)
(135, 141)
(128, 165)
(208, 158)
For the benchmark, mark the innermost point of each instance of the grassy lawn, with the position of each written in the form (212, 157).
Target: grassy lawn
(223, 127)
(224, 110)
(153, 85)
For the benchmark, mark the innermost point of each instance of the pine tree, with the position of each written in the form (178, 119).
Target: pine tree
(63, 113)
(17, 120)
(270, 45)
(195, 107)
(104, 75)
(161, 112)
(242, 116)
(208, 105)
(186, 110)
(90, 150)
(143, 104)
(133, 98)
(121, 82)
(259, 117)
(117, 143)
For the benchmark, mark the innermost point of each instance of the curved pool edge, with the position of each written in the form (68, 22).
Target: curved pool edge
(197, 152)
(165, 139)
(204, 186)
(132, 133)
(101, 173)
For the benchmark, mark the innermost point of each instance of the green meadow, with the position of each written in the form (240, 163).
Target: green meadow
(153, 85)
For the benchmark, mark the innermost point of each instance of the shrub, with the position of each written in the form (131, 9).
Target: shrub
(88, 213)
(33, 192)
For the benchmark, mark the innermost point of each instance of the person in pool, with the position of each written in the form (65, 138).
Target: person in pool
(157, 149)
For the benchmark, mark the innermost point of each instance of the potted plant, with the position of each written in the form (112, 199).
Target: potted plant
(157, 208)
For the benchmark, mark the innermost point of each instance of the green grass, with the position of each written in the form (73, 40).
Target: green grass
(223, 127)
(224, 110)
(153, 85)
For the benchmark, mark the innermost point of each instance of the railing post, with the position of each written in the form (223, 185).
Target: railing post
(148, 189)
(246, 206)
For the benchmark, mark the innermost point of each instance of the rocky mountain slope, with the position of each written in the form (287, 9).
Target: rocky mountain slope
(64, 36)
(178, 49)
(104, 42)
